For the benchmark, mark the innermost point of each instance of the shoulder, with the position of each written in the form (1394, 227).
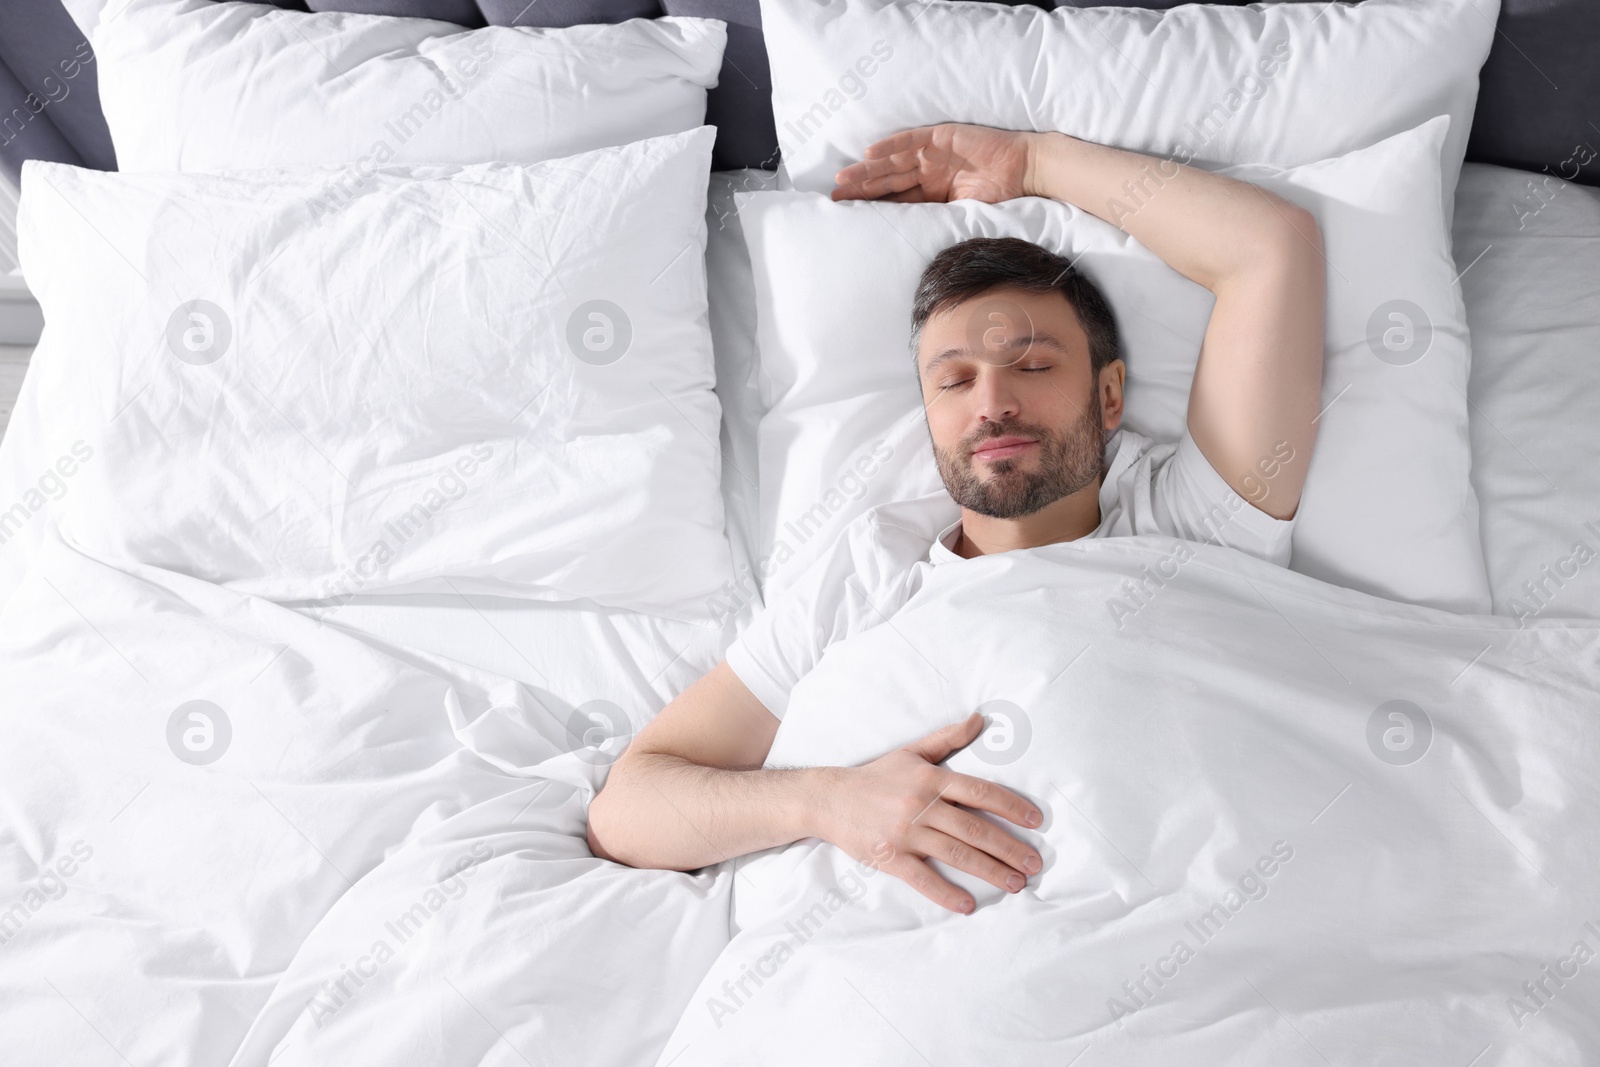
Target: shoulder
(885, 544)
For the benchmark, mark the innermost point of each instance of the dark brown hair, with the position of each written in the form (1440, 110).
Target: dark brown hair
(976, 266)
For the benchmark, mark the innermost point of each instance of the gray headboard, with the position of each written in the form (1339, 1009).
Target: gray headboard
(1537, 109)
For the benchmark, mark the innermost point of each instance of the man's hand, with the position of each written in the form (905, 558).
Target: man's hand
(951, 161)
(904, 806)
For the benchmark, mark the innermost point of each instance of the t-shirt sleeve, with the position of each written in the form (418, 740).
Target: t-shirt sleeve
(857, 583)
(786, 639)
(1196, 503)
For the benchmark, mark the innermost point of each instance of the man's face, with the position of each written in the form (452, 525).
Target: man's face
(1015, 413)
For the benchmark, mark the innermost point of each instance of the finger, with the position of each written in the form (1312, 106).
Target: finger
(910, 196)
(869, 168)
(904, 141)
(938, 745)
(984, 795)
(937, 845)
(883, 184)
(919, 876)
(978, 832)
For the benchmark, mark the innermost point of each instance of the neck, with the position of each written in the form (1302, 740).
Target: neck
(1067, 519)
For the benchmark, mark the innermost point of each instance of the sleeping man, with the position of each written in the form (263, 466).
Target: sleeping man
(1017, 355)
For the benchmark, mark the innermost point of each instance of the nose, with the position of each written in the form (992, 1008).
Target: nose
(995, 395)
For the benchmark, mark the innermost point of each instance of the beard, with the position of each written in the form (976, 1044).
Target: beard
(1068, 462)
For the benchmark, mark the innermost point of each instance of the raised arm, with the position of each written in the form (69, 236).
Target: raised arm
(1257, 387)
(690, 791)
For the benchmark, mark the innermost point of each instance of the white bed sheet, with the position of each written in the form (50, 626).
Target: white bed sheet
(218, 901)
(1530, 248)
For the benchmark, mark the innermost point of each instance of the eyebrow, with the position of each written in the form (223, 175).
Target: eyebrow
(1044, 340)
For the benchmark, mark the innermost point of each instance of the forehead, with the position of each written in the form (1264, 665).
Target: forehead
(996, 325)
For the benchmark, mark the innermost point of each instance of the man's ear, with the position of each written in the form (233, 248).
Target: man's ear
(1110, 382)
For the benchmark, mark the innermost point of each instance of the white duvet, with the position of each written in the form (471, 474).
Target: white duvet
(1284, 823)
(384, 862)
(216, 891)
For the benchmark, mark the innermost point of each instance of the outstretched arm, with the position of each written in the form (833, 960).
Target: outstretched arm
(1257, 387)
(690, 791)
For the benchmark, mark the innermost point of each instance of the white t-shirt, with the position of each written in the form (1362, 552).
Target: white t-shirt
(881, 558)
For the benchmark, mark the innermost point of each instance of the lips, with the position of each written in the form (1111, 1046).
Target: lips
(1006, 447)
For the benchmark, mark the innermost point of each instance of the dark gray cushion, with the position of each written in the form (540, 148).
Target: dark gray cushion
(461, 12)
(49, 92)
(740, 107)
(1539, 95)
(566, 12)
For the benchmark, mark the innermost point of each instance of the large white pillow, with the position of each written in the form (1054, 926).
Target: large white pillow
(495, 374)
(1388, 506)
(199, 85)
(1269, 83)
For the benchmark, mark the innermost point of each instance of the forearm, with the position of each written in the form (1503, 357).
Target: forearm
(1205, 226)
(662, 811)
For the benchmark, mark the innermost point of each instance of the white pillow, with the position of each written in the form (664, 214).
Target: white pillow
(1284, 83)
(1388, 505)
(198, 85)
(496, 374)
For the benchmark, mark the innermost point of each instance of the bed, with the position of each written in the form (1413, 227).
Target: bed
(428, 394)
